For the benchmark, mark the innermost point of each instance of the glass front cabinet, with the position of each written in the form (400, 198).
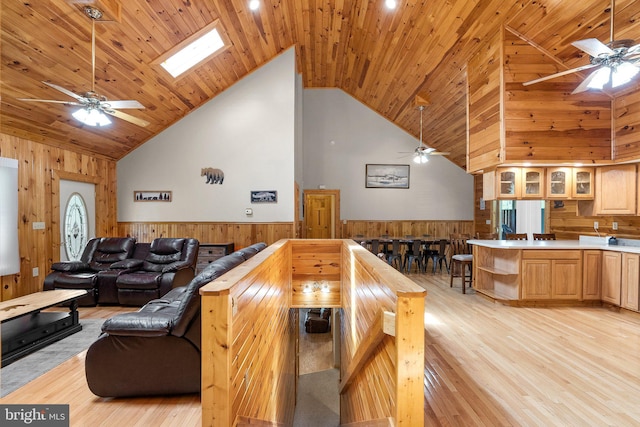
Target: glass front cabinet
(582, 187)
(532, 183)
(559, 183)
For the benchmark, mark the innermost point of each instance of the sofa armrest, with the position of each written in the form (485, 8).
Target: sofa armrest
(70, 266)
(175, 266)
(139, 324)
(125, 264)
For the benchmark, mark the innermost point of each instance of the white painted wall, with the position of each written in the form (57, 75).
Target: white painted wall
(342, 135)
(248, 131)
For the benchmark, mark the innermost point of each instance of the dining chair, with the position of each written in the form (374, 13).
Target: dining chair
(516, 236)
(414, 253)
(395, 256)
(544, 236)
(375, 248)
(461, 260)
(486, 236)
(437, 256)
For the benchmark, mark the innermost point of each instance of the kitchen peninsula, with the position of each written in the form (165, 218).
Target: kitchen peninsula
(575, 272)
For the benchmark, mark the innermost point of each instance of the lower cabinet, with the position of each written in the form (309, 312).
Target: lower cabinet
(630, 281)
(591, 274)
(552, 274)
(611, 276)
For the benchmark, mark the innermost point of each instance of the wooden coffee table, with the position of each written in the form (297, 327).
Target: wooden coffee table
(25, 328)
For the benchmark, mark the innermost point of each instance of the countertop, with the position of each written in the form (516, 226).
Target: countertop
(582, 244)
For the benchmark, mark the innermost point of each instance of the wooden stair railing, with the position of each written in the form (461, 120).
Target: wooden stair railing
(383, 325)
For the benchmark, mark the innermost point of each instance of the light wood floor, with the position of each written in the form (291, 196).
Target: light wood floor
(486, 365)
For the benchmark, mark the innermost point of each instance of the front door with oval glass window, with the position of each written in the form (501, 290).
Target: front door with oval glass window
(76, 227)
(77, 214)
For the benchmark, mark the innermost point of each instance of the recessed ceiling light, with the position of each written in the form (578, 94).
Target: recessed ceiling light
(391, 4)
(254, 4)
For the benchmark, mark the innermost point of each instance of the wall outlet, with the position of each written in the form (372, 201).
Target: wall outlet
(38, 225)
(614, 225)
(595, 225)
(488, 222)
(35, 272)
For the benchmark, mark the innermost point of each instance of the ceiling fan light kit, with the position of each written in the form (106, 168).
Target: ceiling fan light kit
(618, 61)
(91, 117)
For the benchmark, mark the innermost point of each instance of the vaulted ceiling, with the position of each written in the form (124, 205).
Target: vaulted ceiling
(384, 58)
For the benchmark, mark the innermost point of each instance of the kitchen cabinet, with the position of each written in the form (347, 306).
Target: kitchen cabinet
(611, 277)
(616, 190)
(630, 281)
(559, 183)
(551, 274)
(591, 274)
(518, 183)
(532, 183)
(582, 183)
(508, 183)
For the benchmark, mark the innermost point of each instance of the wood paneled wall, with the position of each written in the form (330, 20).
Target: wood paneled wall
(544, 121)
(242, 234)
(567, 224)
(435, 228)
(248, 342)
(484, 113)
(627, 124)
(40, 167)
(370, 287)
(316, 262)
(481, 215)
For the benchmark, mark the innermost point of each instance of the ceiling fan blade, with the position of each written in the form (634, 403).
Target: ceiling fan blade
(128, 117)
(120, 104)
(439, 153)
(66, 91)
(562, 73)
(593, 47)
(582, 87)
(53, 101)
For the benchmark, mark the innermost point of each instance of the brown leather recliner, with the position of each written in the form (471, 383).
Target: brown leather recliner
(170, 263)
(156, 350)
(97, 258)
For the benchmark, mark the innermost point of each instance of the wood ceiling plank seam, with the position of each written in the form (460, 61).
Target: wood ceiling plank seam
(333, 41)
(144, 25)
(241, 45)
(301, 14)
(341, 50)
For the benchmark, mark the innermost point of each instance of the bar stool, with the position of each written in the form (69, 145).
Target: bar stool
(516, 236)
(544, 236)
(460, 260)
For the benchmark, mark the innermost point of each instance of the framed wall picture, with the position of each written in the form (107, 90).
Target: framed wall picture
(387, 176)
(152, 196)
(269, 196)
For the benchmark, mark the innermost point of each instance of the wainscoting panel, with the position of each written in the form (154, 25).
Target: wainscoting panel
(241, 234)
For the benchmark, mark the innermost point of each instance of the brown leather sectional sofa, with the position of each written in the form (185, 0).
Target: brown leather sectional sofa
(156, 350)
(119, 270)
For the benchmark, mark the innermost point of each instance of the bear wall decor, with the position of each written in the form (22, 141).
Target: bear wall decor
(214, 175)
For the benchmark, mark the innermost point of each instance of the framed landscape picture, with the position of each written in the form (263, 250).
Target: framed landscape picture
(387, 176)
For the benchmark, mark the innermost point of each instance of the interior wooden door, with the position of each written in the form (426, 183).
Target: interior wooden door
(318, 216)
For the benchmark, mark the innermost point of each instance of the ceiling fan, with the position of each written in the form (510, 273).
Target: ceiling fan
(617, 62)
(422, 152)
(93, 105)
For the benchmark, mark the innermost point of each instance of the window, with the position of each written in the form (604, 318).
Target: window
(194, 50)
(76, 228)
(9, 250)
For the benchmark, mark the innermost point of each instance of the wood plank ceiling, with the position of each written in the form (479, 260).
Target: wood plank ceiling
(382, 58)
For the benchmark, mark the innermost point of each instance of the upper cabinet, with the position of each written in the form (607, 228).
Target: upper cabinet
(532, 183)
(559, 183)
(582, 183)
(539, 183)
(616, 193)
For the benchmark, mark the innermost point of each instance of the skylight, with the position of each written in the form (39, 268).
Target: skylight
(193, 53)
